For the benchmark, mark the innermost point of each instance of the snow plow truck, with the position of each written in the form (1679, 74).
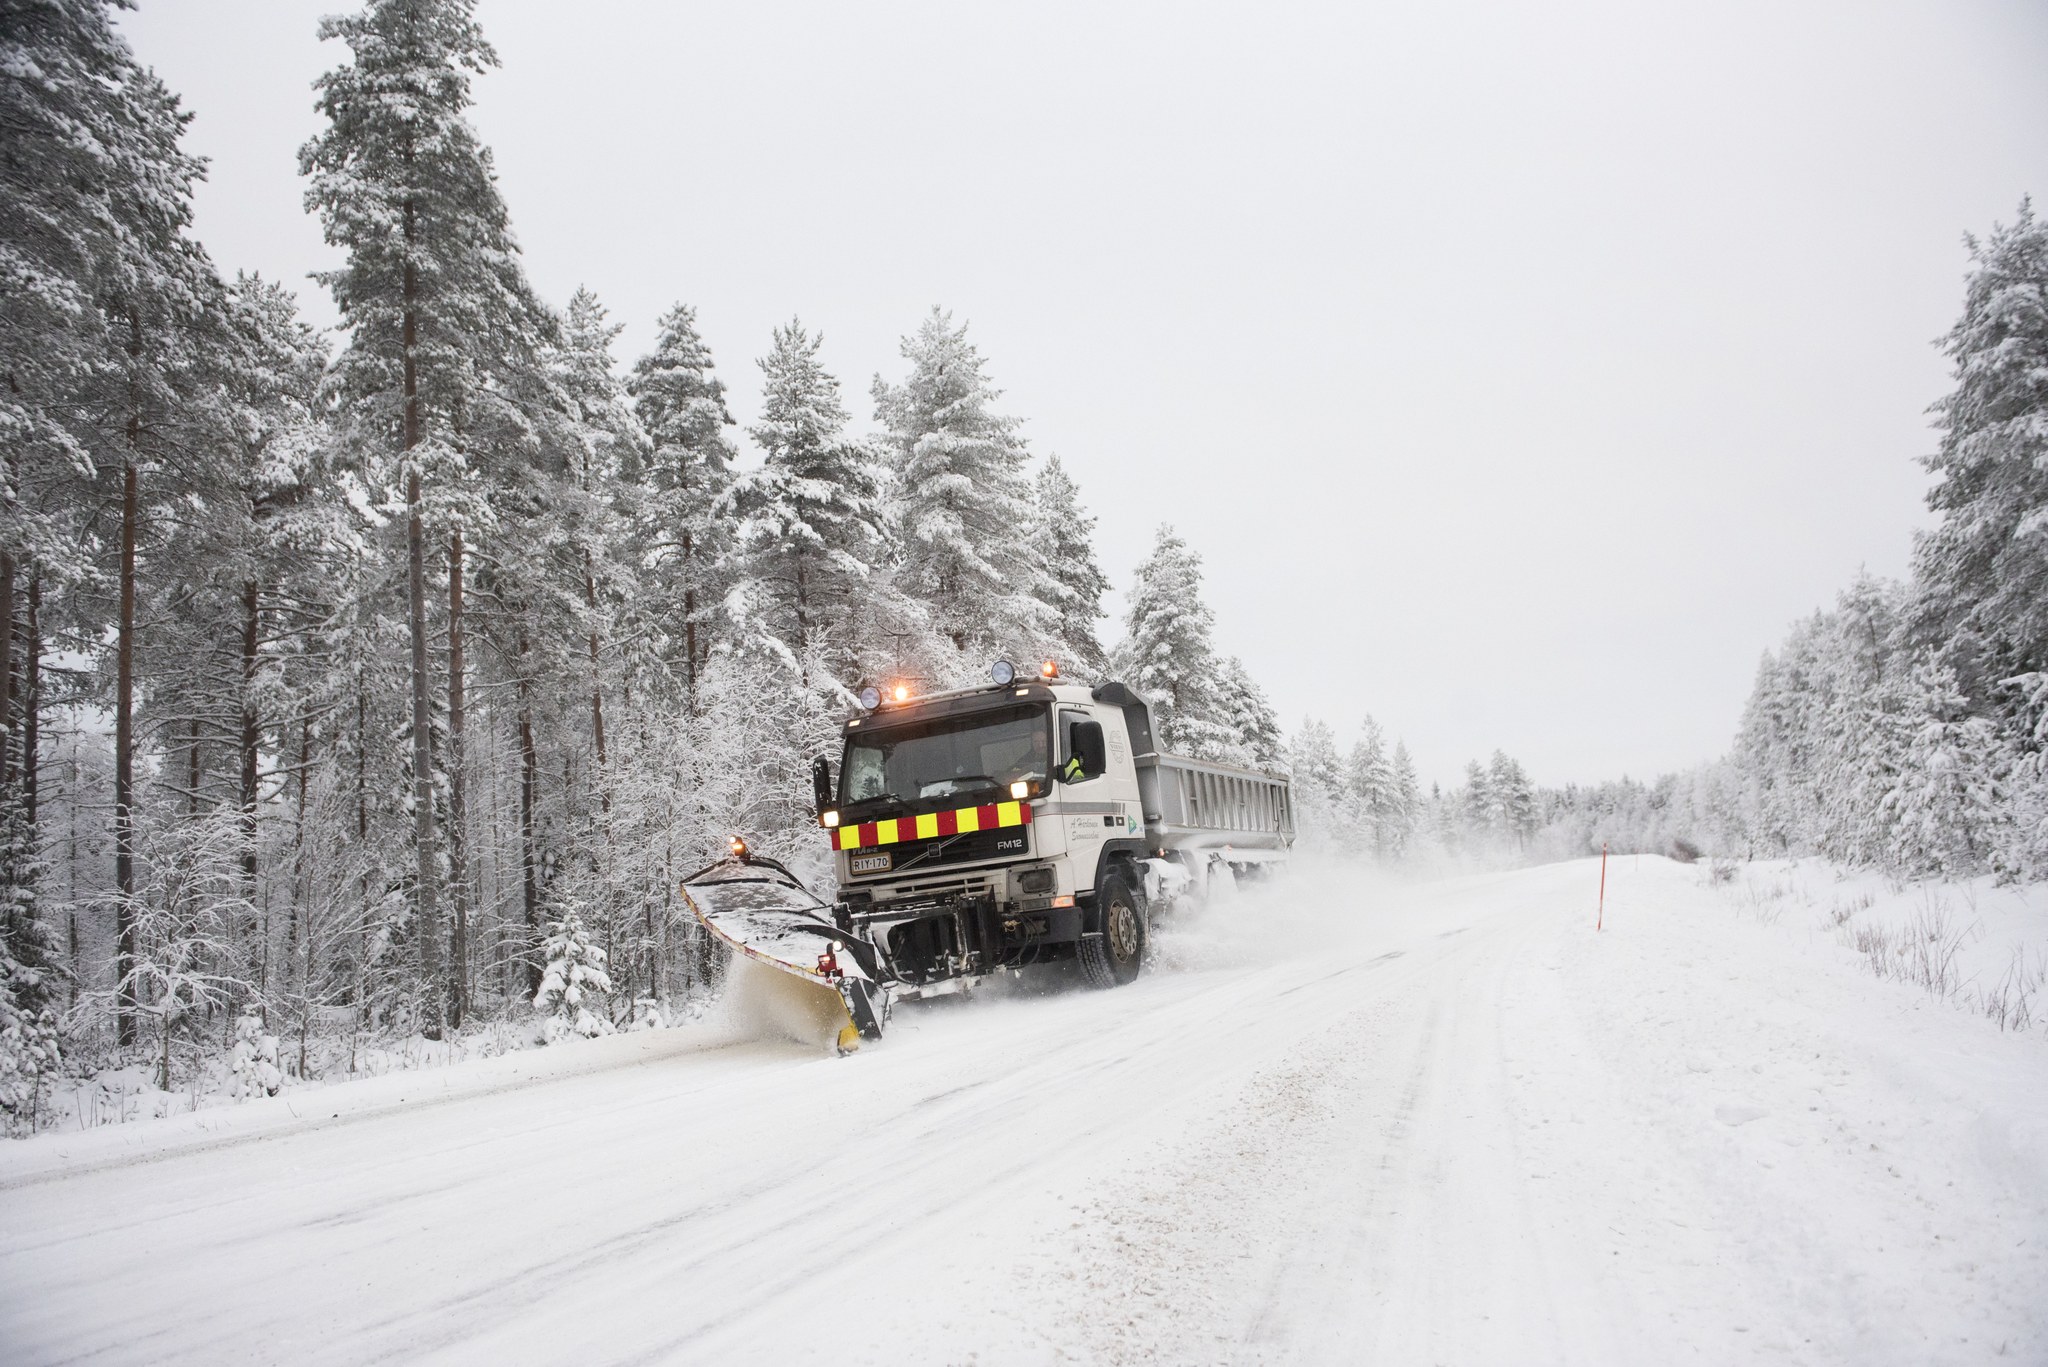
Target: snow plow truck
(983, 830)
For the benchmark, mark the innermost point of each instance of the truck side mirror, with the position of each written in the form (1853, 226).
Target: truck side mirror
(821, 783)
(1086, 757)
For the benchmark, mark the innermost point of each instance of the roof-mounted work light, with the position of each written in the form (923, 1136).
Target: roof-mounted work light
(1003, 672)
(870, 698)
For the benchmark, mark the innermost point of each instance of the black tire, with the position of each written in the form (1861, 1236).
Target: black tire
(1115, 957)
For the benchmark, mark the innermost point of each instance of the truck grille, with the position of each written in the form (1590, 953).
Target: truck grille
(917, 856)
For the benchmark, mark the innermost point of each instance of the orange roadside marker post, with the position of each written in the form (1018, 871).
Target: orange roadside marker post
(1601, 920)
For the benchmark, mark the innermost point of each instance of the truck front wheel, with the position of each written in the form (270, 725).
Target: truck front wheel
(1114, 957)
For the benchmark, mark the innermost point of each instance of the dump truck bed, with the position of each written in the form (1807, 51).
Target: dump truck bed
(1193, 803)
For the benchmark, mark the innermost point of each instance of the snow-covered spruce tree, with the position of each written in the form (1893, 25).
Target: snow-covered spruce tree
(1404, 812)
(574, 987)
(1074, 582)
(1983, 570)
(806, 525)
(1166, 653)
(680, 403)
(30, 1053)
(30, 979)
(437, 309)
(811, 609)
(962, 499)
(1942, 809)
(2022, 841)
(252, 1063)
(1321, 809)
(1513, 811)
(1369, 777)
(1478, 809)
(1247, 714)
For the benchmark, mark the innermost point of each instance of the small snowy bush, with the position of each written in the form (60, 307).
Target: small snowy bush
(28, 1044)
(254, 1061)
(574, 982)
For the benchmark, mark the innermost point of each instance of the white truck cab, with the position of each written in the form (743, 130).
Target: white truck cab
(995, 827)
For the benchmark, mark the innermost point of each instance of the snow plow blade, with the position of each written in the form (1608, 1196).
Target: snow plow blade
(763, 911)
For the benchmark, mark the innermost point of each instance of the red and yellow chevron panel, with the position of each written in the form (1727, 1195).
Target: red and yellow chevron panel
(931, 825)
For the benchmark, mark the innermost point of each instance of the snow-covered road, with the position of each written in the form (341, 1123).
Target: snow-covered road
(1436, 1122)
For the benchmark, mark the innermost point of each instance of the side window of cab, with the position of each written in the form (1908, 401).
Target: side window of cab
(1082, 752)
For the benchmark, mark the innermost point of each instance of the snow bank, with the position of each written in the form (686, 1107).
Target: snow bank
(107, 1145)
(1976, 943)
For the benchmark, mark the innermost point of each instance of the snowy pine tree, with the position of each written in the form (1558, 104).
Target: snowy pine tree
(1247, 714)
(807, 524)
(1983, 570)
(963, 501)
(442, 331)
(1166, 653)
(1074, 580)
(575, 985)
(30, 1053)
(1512, 810)
(680, 403)
(252, 1063)
(1369, 776)
(1404, 811)
(1942, 803)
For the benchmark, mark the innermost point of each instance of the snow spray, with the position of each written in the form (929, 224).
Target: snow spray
(766, 1003)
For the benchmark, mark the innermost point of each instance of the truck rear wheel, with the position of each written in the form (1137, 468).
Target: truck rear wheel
(1114, 957)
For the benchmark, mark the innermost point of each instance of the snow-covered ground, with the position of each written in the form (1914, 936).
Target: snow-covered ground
(1339, 1122)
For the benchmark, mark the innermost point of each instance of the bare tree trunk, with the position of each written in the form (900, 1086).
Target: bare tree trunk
(428, 931)
(690, 623)
(458, 807)
(361, 993)
(501, 959)
(124, 703)
(251, 606)
(71, 879)
(6, 673)
(596, 684)
(32, 700)
(529, 794)
(299, 937)
(362, 836)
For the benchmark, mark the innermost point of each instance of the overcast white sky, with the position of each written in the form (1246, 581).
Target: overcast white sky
(1521, 371)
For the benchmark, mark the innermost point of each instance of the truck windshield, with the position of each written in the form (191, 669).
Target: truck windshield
(970, 757)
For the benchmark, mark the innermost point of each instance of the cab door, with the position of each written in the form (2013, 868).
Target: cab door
(1098, 794)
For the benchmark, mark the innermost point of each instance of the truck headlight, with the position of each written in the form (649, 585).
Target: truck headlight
(1035, 881)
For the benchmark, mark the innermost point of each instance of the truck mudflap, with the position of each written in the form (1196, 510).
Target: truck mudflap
(764, 911)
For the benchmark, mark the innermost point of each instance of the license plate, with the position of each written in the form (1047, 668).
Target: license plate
(873, 863)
